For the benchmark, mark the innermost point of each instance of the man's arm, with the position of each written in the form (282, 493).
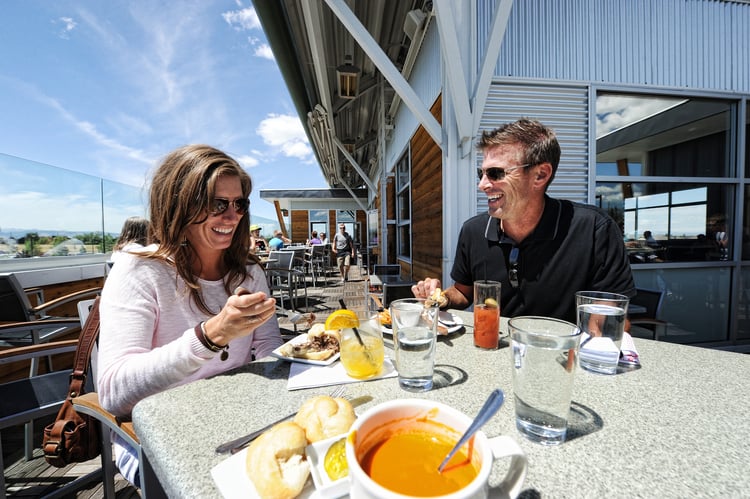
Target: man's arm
(459, 295)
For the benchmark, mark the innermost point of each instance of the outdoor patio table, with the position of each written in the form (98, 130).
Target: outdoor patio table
(676, 427)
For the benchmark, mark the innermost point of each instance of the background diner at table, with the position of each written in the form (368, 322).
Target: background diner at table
(193, 304)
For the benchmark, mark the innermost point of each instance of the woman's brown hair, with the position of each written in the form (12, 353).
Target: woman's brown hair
(182, 189)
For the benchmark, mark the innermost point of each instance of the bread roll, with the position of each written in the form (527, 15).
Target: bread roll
(276, 462)
(325, 417)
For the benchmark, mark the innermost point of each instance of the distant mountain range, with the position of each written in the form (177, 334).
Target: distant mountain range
(267, 227)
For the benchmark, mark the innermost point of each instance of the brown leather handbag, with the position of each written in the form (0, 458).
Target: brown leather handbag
(74, 438)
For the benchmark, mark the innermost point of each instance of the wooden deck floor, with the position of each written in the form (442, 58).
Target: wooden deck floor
(35, 478)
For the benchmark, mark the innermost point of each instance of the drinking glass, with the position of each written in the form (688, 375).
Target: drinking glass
(544, 361)
(601, 317)
(414, 322)
(362, 350)
(487, 314)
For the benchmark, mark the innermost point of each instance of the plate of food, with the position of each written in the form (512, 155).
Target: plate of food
(447, 323)
(297, 457)
(317, 346)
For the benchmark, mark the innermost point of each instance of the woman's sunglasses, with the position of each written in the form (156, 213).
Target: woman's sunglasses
(495, 174)
(220, 205)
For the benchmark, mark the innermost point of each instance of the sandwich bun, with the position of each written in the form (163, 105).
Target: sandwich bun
(319, 344)
(276, 462)
(325, 417)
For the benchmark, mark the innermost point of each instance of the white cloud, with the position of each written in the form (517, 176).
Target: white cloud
(244, 19)
(247, 161)
(285, 134)
(265, 52)
(69, 25)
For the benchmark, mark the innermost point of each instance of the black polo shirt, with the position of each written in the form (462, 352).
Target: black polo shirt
(574, 247)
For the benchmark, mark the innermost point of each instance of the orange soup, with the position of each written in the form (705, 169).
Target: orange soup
(406, 462)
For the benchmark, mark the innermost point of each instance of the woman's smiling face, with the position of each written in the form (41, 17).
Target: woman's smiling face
(216, 232)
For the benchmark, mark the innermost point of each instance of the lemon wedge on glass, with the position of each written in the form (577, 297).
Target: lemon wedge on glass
(342, 319)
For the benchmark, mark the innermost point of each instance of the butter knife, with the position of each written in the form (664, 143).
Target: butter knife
(236, 445)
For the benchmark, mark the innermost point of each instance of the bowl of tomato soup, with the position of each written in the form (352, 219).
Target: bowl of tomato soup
(394, 449)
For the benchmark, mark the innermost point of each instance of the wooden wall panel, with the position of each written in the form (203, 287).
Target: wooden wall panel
(427, 203)
(300, 226)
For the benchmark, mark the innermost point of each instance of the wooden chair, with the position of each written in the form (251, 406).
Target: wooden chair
(39, 395)
(648, 322)
(89, 404)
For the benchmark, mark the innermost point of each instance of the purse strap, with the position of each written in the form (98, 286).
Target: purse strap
(86, 342)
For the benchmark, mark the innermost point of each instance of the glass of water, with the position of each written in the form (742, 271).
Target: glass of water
(601, 317)
(414, 323)
(544, 363)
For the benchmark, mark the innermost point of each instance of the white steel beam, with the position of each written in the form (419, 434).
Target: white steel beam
(386, 67)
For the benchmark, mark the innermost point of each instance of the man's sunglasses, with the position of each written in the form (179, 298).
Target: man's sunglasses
(495, 174)
(220, 205)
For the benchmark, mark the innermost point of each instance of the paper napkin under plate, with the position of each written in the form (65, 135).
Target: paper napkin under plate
(309, 376)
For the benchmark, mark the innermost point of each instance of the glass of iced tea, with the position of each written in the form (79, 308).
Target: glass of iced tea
(362, 349)
(487, 314)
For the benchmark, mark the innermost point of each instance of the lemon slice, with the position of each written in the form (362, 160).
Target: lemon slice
(491, 303)
(341, 319)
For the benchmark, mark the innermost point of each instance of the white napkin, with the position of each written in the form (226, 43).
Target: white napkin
(309, 376)
(599, 349)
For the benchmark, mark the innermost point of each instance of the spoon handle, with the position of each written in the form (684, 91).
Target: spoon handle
(490, 407)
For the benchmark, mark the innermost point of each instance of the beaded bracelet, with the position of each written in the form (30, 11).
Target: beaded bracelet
(200, 333)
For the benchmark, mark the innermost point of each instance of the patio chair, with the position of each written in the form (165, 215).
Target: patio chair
(396, 291)
(16, 311)
(88, 403)
(386, 269)
(284, 278)
(318, 261)
(648, 322)
(35, 396)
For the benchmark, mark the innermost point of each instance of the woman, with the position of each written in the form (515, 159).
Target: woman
(133, 236)
(257, 243)
(170, 313)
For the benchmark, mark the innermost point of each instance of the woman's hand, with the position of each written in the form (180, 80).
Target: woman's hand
(243, 313)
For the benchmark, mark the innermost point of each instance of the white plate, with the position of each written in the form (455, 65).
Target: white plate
(231, 479)
(457, 322)
(301, 339)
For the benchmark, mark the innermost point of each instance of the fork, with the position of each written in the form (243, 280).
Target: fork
(236, 445)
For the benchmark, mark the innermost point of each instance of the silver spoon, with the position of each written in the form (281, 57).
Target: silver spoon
(490, 407)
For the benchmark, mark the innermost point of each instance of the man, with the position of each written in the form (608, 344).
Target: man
(278, 240)
(541, 249)
(343, 248)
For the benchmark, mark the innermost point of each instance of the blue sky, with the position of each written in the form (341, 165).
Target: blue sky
(108, 88)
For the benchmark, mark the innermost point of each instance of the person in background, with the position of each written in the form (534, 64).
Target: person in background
(343, 248)
(257, 243)
(541, 249)
(314, 239)
(194, 303)
(278, 240)
(323, 238)
(133, 236)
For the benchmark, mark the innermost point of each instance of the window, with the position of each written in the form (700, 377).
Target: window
(403, 207)
(666, 171)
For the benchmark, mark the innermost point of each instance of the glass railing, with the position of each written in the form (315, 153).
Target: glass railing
(57, 214)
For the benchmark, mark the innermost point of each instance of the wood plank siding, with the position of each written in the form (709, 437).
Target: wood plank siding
(426, 204)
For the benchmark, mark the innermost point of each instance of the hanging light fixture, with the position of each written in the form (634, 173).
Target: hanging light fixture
(347, 76)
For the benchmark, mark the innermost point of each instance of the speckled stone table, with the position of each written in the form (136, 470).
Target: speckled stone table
(676, 427)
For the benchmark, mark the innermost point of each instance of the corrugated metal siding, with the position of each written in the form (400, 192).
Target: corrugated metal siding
(426, 80)
(564, 109)
(698, 44)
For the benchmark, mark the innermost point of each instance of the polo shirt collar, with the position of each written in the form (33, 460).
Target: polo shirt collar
(546, 229)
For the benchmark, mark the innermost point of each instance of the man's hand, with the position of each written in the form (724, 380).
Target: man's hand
(423, 289)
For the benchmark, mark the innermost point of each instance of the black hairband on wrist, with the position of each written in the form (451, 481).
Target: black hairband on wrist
(200, 333)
